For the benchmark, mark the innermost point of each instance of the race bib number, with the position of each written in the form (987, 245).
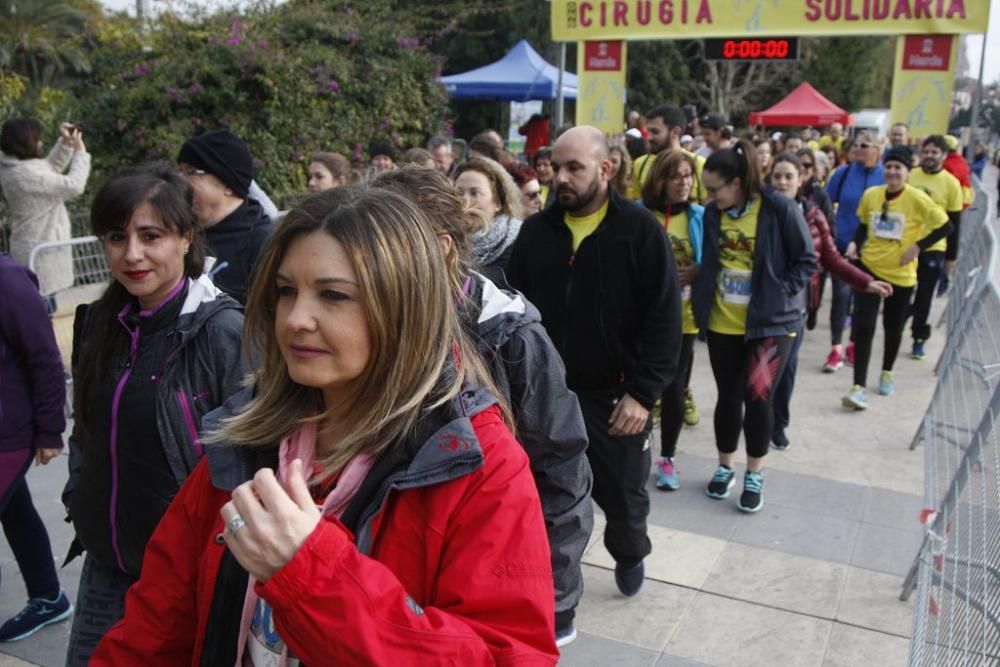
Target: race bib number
(735, 286)
(888, 226)
(264, 646)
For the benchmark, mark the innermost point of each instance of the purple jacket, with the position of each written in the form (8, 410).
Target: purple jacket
(32, 384)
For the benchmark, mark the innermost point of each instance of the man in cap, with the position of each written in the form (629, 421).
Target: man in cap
(382, 155)
(219, 167)
(717, 133)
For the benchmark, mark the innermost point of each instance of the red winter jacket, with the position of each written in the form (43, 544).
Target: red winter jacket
(829, 257)
(459, 574)
(958, 166)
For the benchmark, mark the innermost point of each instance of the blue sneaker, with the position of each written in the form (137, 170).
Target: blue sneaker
(886, 385)
(38, 613)
(918, 350)
(629, 579)
(752, 498)
(722, 481)
(856, 398)
(666, 475)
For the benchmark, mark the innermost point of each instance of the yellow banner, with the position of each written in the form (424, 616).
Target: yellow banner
(600, 99)
(578, 20)
(923, 82)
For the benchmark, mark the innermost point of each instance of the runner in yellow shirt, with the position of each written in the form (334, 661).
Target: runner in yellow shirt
(898, 222)
(945, 190)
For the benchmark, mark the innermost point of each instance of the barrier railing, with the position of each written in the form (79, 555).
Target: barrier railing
(90, 266)
(956, 573)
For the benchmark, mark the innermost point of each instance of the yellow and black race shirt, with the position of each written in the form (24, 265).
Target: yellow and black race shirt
(644, 164)
(893, 227)
(737, 240)
(585, 226)
(945, 190)
(680, 241)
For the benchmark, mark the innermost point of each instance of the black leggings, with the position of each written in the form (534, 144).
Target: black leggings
(866, 308)
(746, 373)
(672, 405)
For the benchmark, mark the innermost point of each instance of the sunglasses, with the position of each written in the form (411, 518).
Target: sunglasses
(807, 165)
(863, 144)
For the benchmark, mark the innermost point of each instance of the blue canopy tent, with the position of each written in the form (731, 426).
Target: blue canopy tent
(519, 76)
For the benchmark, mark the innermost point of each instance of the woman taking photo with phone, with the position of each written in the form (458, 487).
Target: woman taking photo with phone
(36, 189)
(756, 260)
(366, 502)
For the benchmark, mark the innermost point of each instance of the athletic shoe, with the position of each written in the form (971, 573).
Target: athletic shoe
(886, 385)
(856, 398)
(834, 362)
(38, 613)
(629, 579)
(691, 414)
(752, 498)
(722, 481)
(779, 440)
(918, 350)
(849, 353)
(566, 636)
(666, 476)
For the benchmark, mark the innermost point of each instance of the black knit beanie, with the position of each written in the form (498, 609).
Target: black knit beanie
(222, 154)
(380, 147)
(901, 154)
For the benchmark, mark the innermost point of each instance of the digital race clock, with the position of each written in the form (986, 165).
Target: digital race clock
(770, 48)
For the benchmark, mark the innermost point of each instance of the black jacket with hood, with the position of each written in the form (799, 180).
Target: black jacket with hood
(612, 307)
(783, 260)
(204, 366)
(236, 242)
(549, 424)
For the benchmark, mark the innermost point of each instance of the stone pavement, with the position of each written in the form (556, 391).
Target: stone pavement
(812, 579)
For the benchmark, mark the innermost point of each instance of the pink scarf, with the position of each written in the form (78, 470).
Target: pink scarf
(301, 444)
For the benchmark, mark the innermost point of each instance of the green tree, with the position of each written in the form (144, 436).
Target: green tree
(290, 80)
(853, 72)
(40, 39)
(657, 73)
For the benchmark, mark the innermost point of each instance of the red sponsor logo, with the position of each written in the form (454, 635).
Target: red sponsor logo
(930, 53)
(602, 56)
(452, 443)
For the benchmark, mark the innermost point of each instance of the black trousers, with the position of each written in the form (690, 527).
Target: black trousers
(100, 603)
(866, 307)
(621, 466)
(672, 401)
(746, 374)
(26, 533)
(929, 268)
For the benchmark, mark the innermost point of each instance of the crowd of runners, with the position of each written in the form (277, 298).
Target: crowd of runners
(368, 426)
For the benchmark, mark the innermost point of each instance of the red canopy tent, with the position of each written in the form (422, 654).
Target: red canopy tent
(803, 106)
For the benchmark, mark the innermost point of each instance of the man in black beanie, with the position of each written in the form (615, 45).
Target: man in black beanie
(219, 167)
(383, 156)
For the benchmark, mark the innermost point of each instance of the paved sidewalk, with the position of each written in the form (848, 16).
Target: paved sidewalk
(812, 579)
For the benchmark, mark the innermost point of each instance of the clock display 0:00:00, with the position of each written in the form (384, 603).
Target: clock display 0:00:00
(755, 48)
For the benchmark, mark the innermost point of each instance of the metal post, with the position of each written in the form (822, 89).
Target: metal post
(559, 84)
(970, 150)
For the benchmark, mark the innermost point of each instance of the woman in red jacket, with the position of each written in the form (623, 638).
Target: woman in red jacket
(786, 178)
(365, 502)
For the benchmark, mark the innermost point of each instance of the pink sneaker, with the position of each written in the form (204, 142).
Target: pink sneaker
(834, 362)
(850, 353)
(666, 475)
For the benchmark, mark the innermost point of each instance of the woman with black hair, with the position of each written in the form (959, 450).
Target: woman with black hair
(757, 257)
(152, 356)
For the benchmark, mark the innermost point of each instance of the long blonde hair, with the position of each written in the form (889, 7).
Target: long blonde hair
(419, 358)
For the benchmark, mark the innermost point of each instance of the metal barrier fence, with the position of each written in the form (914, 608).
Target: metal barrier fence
(956, 574)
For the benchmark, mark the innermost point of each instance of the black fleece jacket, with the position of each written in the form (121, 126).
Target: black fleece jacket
(613, 307)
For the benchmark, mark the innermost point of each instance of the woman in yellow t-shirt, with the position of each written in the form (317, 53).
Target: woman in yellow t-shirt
(757, 258)
(893, 230)
(667, 193)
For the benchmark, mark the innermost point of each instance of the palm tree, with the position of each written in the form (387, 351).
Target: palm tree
(38, 38)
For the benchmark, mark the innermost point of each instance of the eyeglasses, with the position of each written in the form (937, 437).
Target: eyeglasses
(710, 190)
(680, 178)
(864, 144)
(807, 165)
(191, 171)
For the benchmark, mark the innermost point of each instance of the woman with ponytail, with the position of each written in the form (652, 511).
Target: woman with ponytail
(757, 257)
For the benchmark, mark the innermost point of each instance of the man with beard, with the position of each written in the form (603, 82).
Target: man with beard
(665, 125)
(599, 269)
(946, 191)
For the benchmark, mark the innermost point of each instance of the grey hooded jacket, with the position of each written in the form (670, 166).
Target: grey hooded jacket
(549, 424)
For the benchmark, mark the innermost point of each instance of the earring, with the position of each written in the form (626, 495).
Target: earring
(186, 249)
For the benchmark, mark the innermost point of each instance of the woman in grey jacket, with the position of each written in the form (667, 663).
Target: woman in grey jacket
(158, 351)
(757, 257)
